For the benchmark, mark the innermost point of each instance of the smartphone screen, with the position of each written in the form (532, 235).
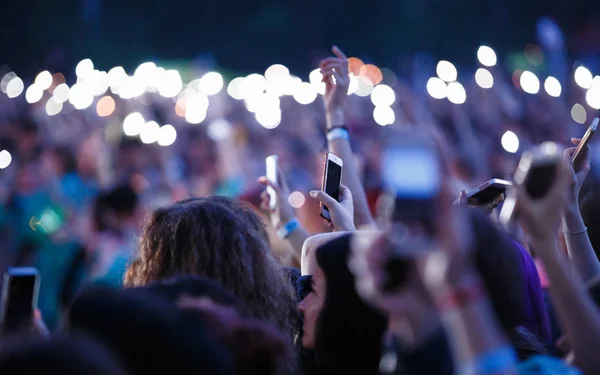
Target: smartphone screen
(271, 174)
(331, 180)
(19, 297)
(413, 176)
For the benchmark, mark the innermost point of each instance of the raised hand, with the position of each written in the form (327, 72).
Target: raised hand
(283, 211)
(342, 212)
(337, 80)
(580, 171)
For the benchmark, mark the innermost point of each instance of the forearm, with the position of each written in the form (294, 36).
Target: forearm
(296, 240)
(575, 309)
(582, 254)
(350, 178)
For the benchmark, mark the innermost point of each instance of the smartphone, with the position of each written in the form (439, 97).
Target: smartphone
(272, 168)
(486, 193)
(332, 179)
(536, 171)
(412, 176)
(20, 292)
(575, 158)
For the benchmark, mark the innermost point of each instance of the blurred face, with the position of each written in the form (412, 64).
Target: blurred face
(311, 307)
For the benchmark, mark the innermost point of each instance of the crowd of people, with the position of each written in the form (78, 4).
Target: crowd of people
(172, 260)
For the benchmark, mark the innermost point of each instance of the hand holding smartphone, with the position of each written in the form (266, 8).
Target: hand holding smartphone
(271, 174)
(488, 193)
(20, 293)
(587, 137)
(332, 179)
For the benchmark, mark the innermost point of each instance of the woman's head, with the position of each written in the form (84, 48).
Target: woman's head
(345, 332)
(508, 278)
(217, 238)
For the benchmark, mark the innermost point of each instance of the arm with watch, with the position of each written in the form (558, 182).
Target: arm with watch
(338, 139)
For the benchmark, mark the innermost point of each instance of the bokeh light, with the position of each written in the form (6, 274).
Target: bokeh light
(364, 86)
(219, 129)
(235, 88)
(195, 115)
(592, 97)
(583, 77)
(105, 106)
(296, 199)
(354, 65)
(5, 159)
(53, 107)
(372, 72)
(80, 97)
(211, 83)
(166, 135)
(14, 87)
(84, 68)
(316, 79)
(253, 85)
(383, 95)
(171, 85)
(510, 142)
(305, 94)
(529, 82)
(150, 132)
(446, 71)
(43, 80)
(33, 94)
(436, 88)
(6, 79)
(116, 78)
(456, 93)
(486, 56)
(61, 93)
(552, 87)
(276, 72)
(578, 113)
(133, 123)
(384, 116)
(484, 78)
(269, 118)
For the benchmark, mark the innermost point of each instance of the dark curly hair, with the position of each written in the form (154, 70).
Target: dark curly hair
(221, 239)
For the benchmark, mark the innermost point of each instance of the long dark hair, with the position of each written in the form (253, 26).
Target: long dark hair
(221, 239)
(349, 333)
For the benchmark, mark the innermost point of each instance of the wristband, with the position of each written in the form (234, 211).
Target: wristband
(460, 297)
(492, 362)
(345, 127)
(338, 133)
(285, 231)
(575, 233)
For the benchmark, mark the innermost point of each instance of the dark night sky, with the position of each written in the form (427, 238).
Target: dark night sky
(249, 35)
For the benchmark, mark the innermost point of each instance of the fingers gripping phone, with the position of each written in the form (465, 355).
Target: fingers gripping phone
(587, 137)
(536, 171)
(271, 174)
(20, 292)
(486, 193)
(332, 179)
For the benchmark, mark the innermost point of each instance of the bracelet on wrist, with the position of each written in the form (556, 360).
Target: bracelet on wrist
(492, 362)
(582, 231)
(338, 132)
(458, 297)
(285, 231)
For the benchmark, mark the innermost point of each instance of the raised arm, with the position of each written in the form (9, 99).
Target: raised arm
(576, 311)
(337, 81)
(582, 254)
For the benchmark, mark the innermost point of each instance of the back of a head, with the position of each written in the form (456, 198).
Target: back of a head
(146, 333)
(217, 238)
(193, 286)
(58, 355)
(122, 200)
(349, 333)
